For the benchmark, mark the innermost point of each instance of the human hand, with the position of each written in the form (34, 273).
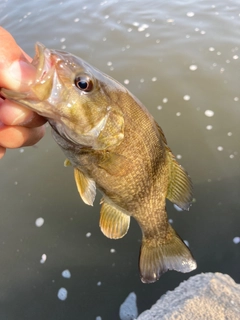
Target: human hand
(18, 126)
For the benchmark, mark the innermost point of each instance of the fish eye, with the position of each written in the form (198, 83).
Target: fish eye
(84, 83)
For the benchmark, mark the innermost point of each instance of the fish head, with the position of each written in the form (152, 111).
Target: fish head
(79, 101)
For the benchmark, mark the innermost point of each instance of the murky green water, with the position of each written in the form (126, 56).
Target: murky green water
(182, 60)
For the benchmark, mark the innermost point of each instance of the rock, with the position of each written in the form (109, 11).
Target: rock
(203, 297)
(128, 310)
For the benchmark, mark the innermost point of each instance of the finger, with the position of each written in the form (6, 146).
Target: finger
(2, 152)
(12, 113)
(16, 137)
(15, 68)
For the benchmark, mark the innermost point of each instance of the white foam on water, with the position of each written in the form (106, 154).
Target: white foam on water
(236, 240)
(209, 127)
(39, 222)
(209, 113)
(193, 67)
(186, 97)
(62, 294)
(43, 258)
(128, 309)
(66, 274)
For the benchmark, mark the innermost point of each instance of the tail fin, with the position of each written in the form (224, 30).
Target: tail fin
(157, 257)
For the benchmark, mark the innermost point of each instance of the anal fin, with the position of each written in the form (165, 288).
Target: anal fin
(86, 187)
(157, 257)
(114, 224)
(180, 185)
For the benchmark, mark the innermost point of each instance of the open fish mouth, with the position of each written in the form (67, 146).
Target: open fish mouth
(41, 87)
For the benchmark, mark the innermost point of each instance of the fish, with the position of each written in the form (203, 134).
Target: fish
(114, 145)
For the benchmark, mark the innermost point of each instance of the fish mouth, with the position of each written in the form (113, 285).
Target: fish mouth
(41, 87)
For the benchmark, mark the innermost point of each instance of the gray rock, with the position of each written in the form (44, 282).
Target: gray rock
(205, 296)
(128, 310)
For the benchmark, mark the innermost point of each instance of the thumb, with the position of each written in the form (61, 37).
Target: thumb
(16, 71)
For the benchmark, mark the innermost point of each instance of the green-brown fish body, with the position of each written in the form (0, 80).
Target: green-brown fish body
(114, 144)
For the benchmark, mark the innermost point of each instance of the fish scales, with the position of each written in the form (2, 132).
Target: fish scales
(115, 145)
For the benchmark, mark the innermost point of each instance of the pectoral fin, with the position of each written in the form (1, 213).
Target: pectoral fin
(86, 187)
(113, 223)
(180, 185)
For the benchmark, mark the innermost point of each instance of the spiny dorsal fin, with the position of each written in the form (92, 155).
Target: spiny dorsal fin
(86, 187)
(157, 257)
(113, 223)
(180, 185)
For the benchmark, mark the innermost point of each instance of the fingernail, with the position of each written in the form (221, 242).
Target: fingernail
(22, 72)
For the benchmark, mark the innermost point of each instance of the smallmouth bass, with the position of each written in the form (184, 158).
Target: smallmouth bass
(115, 145)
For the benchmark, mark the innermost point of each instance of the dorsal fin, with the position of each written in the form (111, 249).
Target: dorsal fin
(180, 185)
(114, 224)
(86, 187)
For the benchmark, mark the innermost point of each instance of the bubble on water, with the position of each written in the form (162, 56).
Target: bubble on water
(16, 183)
(126, 81)
(76, 20)
(21, 150)
(236, 99)
(219, 53)
(177, 207)
(170, 221)
(109, 63)
(170, 20)
(104, 39)
(158, 41)
(165, 100)
(190, 14)
(135, 24)
(203, 32)
(186, 243)
(179, 156)
(220, 148)
(222, 70)
(99, 283)
(143, 27)
(62, 294)
(178, 114)
(107, 16)
(235, 57)
(62, 39)
(39, 222)
(154, 79)
(43, 258)
(112, 250)
(98, 318)
(63, 47)
(88, 234)
(193, 67)
(229, 134)
(196, 29)
(236, 240)
(142, 80)
(187, 36)
(211, 49)
(66, 274)
(231, 156)
(159, 107)
(209, 113)
(84, 8)
(128, 309)
(186, 97)
(129, 29)
(147, 35)
(209, 127)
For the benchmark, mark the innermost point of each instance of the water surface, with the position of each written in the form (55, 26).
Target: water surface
(182, 60)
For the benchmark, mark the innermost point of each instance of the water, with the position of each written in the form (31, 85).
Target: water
(181, 59)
